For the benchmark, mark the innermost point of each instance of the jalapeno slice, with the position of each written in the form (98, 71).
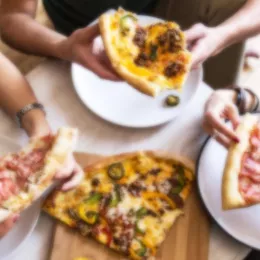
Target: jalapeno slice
(116, 171)
(172, 101)
(124, 22)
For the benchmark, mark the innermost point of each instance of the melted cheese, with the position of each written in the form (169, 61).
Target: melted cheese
(129, 203)
(127, 50)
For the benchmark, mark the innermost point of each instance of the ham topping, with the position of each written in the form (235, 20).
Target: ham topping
(249, 178)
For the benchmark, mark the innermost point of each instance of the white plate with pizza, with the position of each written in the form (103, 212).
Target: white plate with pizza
(236, 210)
(28, 219)
(136, 104)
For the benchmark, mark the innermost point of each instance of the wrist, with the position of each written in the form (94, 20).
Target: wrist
(227, 94)
(228, 34)
(61, 49)
(35, 123)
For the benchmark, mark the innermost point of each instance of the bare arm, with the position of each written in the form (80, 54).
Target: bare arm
(243, 24)
(15, 93)
(21, 31)
(206, 41)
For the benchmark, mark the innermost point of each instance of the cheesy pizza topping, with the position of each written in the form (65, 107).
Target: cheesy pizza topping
(128, 205)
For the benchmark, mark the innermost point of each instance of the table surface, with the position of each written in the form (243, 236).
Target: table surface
(52, 84)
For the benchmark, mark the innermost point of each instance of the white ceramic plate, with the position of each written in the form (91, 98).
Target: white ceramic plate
(28, 219)
(121, 104)
(242, 224)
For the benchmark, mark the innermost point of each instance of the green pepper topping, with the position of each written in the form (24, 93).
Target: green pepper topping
(138, 229)
(116, 171)
(141, 212)
(153, 53)
(177, 190)
(123, 22)
(91, 217)
(180, 174)
(116, 198)
(172, 101)
(94, 198)
(142, 250)
(179, 169)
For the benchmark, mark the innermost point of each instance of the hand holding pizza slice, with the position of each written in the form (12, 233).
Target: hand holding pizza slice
(27, 175)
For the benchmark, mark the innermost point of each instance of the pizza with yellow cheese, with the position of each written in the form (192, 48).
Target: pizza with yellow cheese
(150, 58)
(127, 202)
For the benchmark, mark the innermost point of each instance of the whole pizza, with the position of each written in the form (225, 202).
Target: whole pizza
(127, 202)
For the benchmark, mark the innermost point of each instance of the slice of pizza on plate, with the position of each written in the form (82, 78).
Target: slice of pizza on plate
(26, 175)
(127, 202)
(241, 180)
(150, 58)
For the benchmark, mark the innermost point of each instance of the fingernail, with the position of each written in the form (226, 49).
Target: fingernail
(15, 218)
(236, 139)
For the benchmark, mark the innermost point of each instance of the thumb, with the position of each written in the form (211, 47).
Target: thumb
(198, 55)
(196, 31)
(91, 31)
(233, 115)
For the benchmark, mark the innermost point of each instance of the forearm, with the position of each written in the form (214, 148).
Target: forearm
(15, 93)
(22, 32)
(243, 24)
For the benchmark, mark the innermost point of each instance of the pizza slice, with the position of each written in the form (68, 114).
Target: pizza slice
(241, 180)
(150, 58)
(127, 202)
(26, 175)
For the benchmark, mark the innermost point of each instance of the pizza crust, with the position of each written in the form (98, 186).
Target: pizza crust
(157, 154)
(144, 85)
(231, 197)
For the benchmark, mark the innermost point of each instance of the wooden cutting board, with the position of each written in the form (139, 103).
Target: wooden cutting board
(187, 240)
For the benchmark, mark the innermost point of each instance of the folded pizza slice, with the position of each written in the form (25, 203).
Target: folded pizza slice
(150, 58)
(241, 180)
(26, 175)
(127, 202)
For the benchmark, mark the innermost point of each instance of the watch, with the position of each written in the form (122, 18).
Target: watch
(19, 115)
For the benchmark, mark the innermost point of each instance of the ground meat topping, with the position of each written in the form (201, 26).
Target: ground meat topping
(154, 171)
(141, 60)
(135, 188)
(139, 38)
(95, 182)
(173, 69)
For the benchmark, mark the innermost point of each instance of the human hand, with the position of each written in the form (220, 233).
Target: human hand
(71, 173)
(85, 47)
(204, 42)
(218, 108)
(8, 224)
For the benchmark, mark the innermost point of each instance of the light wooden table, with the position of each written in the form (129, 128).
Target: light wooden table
(52, 84)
